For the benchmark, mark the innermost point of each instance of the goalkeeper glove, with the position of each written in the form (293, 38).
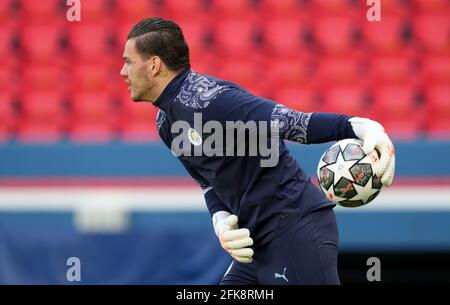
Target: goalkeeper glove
(234, 240)
(373, 136)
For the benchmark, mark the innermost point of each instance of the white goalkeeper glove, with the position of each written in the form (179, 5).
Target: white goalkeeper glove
(234, 240)
(373, 136)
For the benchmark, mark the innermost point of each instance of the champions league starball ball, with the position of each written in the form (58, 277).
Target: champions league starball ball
(346, 174)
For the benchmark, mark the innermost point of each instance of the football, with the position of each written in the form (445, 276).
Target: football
(346, 174)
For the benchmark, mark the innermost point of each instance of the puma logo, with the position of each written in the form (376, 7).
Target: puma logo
(283, 276)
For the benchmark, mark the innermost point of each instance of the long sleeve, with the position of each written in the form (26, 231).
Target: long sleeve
(302, 127)
(213, 202)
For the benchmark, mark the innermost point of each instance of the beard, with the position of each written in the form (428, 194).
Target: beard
(142, 87)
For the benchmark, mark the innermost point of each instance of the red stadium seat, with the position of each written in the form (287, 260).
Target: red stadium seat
(138, 121)
(5, 10)
(290, 71)
(42, 78)
(133, 11)
(232, 8)
(438, 111)
(431, 6)
(94, 10)
(395, 8)
(243, 72)
(43, 117)
(234, 37)
(195, 34)
(5, 77)
(330, 7)
(175, 9)
(207, 64)
(393, 69)
(283, 36)
(41, 42)
(90, 41)
(302, 99)
(7, 116)
(385, 36)
(43, 11)
(279, 8)
(340, 70)
(436, 68)
(6, 40)
(335, 35)
(91, 77)
(433, 32)
(350, 100)
(93, 117)
(122, 31)
(396, 108)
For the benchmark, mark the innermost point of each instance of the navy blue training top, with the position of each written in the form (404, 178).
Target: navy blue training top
(239, 183)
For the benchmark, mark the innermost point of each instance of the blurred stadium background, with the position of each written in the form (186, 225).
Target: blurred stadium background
(83, 173)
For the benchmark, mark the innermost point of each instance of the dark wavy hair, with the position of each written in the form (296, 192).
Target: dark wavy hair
(163, 38)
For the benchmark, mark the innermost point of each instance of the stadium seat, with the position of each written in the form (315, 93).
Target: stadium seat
(133, 11)
(43, 117)
(43, 11)
(432, 6)
(395, 8)
(396, 108)
(7, 116)
(241, 71)
(331, 7)
(279, 8)
(42, 77)
(5, 77)
(6, 41)
(41, 42)
(350, 100)
(438, 111)
(195, 33)
(340, 70)
(234, 37)
(207, 64)
(385, 37)
(5, 10)
(433, 32)
(122, 30)
(436, 68)
(91, 77)
(93, 117)
(284, 36)
(393, 69)
(94, 10)
(303, 99)
(232, 8)
(138, 121)
(186, 9)
(335, 35)
(90, 41)
(290, 71)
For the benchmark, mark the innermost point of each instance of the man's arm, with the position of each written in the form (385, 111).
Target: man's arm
(319, 127)
(310, 127)
(237, 104)
(213, 203)
(232, 239)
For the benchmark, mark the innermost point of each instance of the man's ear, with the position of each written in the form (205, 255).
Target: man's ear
(155, 65)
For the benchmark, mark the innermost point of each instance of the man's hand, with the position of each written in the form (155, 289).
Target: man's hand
(373, 136)
(234, 240)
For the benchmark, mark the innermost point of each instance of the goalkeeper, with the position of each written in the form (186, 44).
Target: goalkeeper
(278, 227)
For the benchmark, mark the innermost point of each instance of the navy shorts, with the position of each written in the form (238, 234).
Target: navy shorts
(303, 252)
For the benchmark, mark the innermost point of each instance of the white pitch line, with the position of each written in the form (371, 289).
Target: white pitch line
(51, 199)
(187, 199)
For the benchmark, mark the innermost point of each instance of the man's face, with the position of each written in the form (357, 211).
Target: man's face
(136, 71)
